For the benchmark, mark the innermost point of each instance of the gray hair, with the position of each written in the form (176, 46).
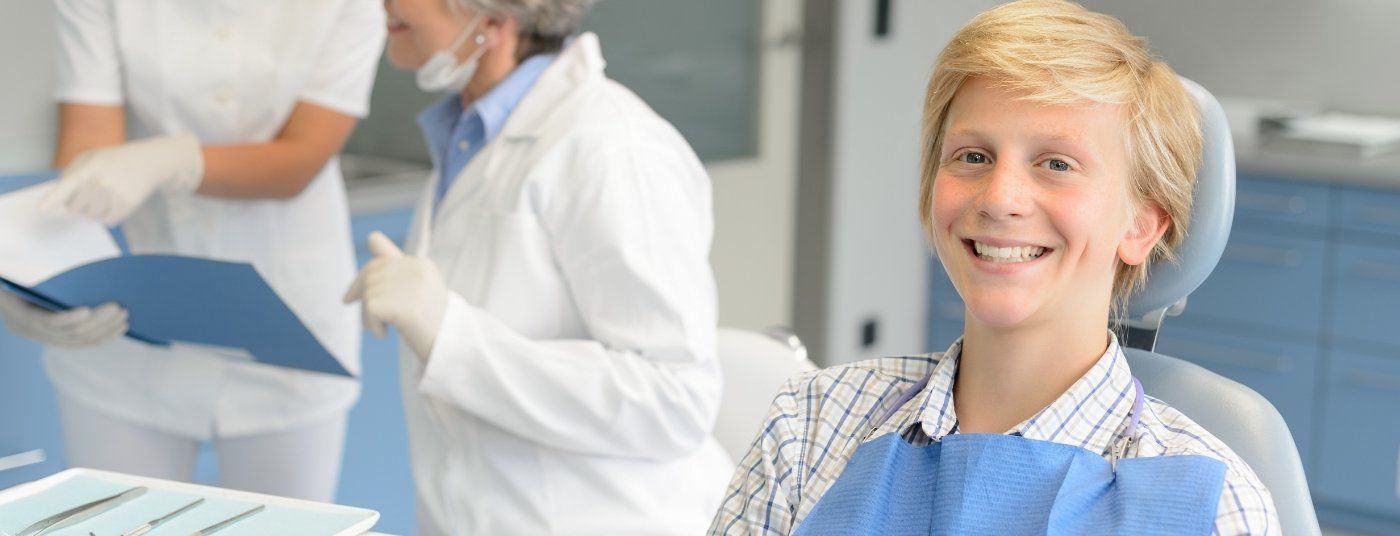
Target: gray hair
(541, 17)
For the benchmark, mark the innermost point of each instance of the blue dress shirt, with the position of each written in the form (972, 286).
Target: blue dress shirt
(455, 135)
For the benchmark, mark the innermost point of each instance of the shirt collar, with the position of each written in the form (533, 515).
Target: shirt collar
(436, 122)
(440, 120)
(1088, 415)
(495, 107)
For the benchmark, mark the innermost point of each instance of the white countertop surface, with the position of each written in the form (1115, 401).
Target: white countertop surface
(376, 184)
(1379, 172)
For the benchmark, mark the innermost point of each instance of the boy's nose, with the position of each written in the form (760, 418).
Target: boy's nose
(1005, 193)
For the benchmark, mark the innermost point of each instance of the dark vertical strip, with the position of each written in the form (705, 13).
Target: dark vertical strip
(812, 256)
(882, 18)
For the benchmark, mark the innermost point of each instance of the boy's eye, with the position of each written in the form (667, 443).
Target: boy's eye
(1055, 164)
(973, 158)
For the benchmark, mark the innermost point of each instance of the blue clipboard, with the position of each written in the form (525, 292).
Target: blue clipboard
(184, 299)
(171, 298)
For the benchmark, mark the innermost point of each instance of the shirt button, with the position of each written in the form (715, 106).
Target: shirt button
(463, 145)
(224, 32)
(223, 97)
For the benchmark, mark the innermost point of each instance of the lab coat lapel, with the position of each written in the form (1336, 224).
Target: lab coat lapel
(420, 230)
(512, 153)
(577, 66)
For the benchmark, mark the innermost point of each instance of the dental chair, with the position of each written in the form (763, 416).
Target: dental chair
(1237, 415)
(755, 367)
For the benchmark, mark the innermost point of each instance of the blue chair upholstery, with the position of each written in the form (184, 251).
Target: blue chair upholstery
(1240, 417)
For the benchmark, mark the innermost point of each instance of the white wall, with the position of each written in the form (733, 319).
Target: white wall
(28, 119)
(755, 198)
(877, 253)
(1342, 53)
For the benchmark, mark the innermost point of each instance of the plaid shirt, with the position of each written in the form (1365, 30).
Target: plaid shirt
(818, 419)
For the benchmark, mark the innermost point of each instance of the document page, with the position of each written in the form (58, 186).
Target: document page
(35, 247)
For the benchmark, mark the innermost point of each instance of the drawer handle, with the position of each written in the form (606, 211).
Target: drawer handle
(1264, 255)
(1377, 271)
(1282, 204)
(1233, 357)
(1374, 380)
(1380, 216)
(22, 459)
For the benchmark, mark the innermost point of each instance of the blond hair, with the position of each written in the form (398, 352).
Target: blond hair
(1058, 53)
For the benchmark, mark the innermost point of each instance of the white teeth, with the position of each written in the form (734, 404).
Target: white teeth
(1011, 254)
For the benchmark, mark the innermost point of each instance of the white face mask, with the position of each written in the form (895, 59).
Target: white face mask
(442, 73)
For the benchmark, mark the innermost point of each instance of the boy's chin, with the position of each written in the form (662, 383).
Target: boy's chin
(1000, 315)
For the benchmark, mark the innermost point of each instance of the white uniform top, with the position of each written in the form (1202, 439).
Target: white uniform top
(574, 385)
(228, 71)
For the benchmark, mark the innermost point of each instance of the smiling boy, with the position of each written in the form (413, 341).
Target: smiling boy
(1059, 160)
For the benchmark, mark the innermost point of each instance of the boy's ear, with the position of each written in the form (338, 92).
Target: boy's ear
(1149, 225)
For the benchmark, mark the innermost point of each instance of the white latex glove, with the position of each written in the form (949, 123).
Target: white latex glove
(74, 328)
(108, 184)
(402, 290)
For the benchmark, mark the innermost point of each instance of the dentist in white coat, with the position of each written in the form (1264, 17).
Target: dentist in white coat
(556, 302)
(210, 128)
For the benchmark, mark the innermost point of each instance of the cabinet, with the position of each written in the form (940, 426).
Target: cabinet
(1360, 438)
(375, 473)
(28, 415)
(1304, 308)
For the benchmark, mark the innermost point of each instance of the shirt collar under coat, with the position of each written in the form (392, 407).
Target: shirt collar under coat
(1090, 415)
(578, 65)
(439, 121)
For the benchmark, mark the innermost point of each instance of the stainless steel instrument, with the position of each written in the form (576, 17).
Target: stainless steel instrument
(149, 525)
(227, 522)
(81, 513)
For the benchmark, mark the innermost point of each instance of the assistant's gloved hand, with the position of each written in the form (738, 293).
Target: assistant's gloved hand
(108, 184)
(402, 290)
(74, 328)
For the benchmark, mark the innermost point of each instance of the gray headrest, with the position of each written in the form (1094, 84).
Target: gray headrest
(1212, 211)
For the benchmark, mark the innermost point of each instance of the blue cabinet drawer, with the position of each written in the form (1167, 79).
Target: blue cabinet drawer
(1367, 286)
(393, 224)
(1366, 210)
(1359, 436)
(18, 466)
(1281, 202)
(945, 315)
(1265, 279)
(28, 413)
(947, 325)
(1282, 372)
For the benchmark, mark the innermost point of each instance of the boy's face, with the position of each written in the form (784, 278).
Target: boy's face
(1031, 207)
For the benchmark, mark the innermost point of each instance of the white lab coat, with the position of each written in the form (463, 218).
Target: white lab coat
(227, 71)
(574, 383)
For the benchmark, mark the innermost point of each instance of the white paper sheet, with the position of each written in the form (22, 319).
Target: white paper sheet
(35, 247)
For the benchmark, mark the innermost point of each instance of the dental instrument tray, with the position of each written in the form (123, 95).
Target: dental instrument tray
(26, 504)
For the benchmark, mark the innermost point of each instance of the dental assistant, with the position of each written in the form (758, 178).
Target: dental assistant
(210, 129)
(556, 302)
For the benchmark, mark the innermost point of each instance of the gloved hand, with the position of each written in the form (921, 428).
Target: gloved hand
(402, 290)
(108, 184)
(74, 328)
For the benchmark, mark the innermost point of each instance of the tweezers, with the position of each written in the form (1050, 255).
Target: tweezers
(81, 513)
(225, 523)
(152, 524)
